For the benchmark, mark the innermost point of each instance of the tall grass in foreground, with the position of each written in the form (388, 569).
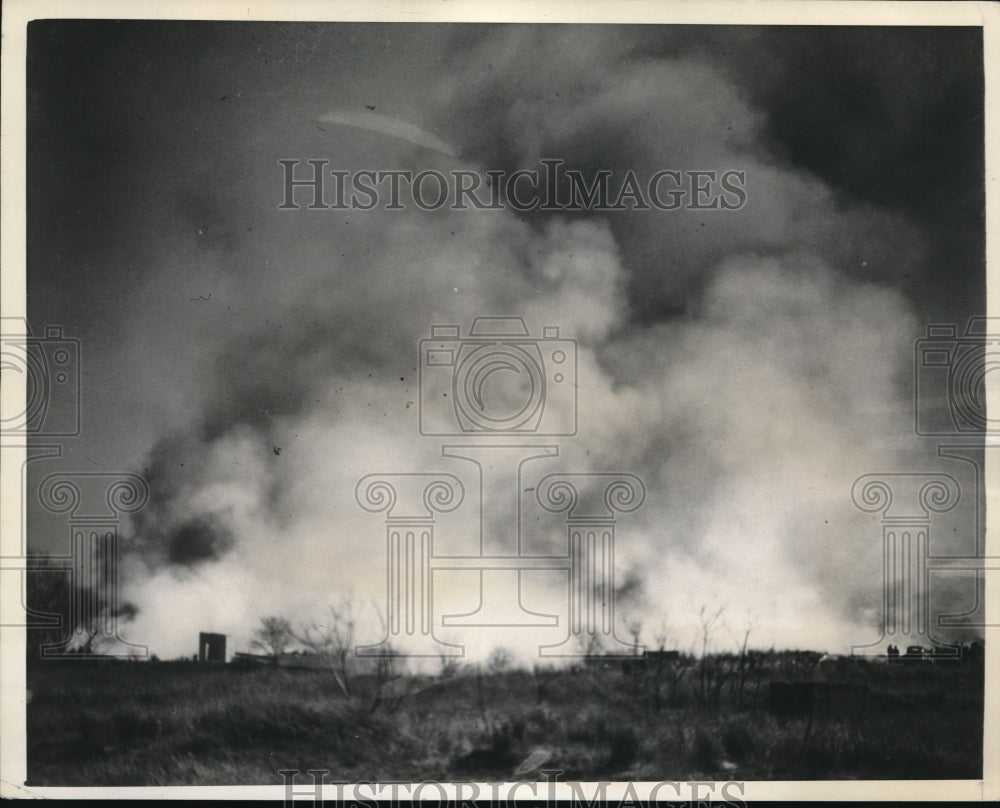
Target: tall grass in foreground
(117, 723)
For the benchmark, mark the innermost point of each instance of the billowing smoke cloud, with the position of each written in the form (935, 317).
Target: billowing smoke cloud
(747, 365)
(597, 105)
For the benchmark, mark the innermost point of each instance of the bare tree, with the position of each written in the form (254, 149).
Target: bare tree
(746, 663)
(590, 645)
(499, 660)
(333, 640)
(634, 628)
(449, 665)
(708, 621)
(711, 677)
(481, 699)
(635, 676)
(389, 690)
(662, 672)
(273, 636)
(50, 592)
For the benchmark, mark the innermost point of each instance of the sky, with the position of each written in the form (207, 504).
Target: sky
(252, 363)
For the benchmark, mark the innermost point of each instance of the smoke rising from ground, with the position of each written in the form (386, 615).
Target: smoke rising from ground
(747, 365)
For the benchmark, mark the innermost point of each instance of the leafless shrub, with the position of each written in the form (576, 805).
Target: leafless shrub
(664, 675)
(333, 640)
(273, 636)
(500, 660)
(746, 667)
(711, 674)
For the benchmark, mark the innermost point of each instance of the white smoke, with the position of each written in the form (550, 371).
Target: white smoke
(748, 416)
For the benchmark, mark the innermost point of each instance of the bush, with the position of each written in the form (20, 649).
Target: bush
(737, 741)
(624, 746)
(703, 754)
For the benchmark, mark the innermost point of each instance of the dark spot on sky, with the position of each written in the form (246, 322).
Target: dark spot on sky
(200, 539)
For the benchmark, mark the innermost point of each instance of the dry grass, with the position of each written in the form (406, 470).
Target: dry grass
(118, 723)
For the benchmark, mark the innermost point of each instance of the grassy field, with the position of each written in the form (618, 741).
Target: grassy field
(128, 723)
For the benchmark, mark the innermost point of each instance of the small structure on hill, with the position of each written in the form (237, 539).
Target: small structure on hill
(211, 647)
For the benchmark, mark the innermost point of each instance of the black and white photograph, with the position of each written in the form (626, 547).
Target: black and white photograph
(591, 404)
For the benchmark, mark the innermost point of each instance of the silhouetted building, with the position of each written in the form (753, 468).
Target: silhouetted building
(211, 647)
